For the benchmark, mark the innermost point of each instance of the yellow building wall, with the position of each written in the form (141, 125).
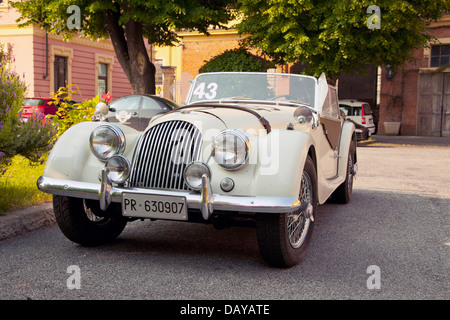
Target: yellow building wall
(191, 53)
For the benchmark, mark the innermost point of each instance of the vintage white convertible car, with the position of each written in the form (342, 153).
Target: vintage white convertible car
(255, 149)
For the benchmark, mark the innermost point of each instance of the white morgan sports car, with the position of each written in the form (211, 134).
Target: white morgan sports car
(254, 149)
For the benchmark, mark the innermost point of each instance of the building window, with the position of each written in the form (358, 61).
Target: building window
(440, 56)
(61, 74)
(159, 63)
(4, 5)
(60, 67)
(102, 79)
(158, 75)
(104, 68)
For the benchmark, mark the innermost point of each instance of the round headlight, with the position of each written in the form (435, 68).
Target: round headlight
(193, 174)
(230, 149)
(106, 141)
(119, 169)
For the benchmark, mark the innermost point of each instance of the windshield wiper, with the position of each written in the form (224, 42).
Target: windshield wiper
(234, 98)
(298, 102)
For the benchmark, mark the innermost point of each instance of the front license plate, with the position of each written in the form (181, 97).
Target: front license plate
(154, 206)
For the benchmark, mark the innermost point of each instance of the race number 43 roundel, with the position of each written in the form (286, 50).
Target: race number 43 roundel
(208, 91)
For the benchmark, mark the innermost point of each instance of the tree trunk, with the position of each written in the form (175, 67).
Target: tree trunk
(129, 46)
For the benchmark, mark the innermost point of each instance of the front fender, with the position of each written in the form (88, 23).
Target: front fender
(274, 167)
(281, 164)
(347, 137)
(71, 157)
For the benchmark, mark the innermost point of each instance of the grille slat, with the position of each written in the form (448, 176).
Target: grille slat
(162, 155)
(176, 135)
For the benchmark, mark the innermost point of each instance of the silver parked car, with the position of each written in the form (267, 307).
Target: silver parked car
(358, 111)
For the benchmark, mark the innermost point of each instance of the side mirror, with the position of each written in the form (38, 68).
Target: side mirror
(101, 111)
(303, 115)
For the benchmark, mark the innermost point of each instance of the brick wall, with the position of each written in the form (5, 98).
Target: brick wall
(398, 97)
(196, 52)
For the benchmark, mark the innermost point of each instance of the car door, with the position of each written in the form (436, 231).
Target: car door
(331, 124)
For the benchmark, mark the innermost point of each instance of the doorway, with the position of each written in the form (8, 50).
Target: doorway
(433, 105)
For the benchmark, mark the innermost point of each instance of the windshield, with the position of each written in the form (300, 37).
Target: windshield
(33, 102)
(233, 86)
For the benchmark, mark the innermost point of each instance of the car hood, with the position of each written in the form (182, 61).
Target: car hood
(258, 117)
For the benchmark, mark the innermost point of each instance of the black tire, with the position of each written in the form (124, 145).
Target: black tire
(82, 221)
(343, 194)
(277, 248)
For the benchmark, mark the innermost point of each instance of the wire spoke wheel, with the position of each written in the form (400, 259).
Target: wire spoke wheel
(283, 238)
(298, 222)
(350, 174)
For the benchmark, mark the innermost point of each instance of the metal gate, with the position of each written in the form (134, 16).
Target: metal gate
(433, 110)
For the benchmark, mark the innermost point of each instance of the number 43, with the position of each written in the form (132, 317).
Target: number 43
(200, 90)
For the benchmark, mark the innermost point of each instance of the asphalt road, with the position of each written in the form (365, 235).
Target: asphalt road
(396, 229)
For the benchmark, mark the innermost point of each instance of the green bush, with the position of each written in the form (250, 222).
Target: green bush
(70, 113)
(31, 139)
(238, 60)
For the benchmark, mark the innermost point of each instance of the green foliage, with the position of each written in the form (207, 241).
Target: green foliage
(159, 19)
(31, 139)
(18, 186)
(127, 24)
(333, 36)
(238, 59)
(70, 113)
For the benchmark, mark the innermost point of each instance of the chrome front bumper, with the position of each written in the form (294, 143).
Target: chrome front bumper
(205, 201)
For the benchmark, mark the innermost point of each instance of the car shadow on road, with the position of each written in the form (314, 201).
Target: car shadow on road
(186, 240)
(376, 227)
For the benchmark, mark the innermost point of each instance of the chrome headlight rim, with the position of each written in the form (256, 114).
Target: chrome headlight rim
(119, 135)
(126, 165)
(207, 171)
(243, 138)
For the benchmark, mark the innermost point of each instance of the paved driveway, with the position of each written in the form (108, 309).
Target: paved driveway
(390, 242)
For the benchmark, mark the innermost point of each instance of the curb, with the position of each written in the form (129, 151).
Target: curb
(25, 220)
(366, 143)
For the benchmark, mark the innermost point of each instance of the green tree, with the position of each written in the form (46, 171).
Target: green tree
(127, 24)
(334, 36)
(31, 139)
(238, 59)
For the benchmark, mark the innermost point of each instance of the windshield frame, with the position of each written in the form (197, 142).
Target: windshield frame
(249, 100)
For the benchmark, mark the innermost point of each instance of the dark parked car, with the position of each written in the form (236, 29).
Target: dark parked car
(362, 132)
(137, 110)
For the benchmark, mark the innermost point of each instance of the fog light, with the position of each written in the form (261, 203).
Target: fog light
(119, 169)
(193, 174)
(227, 184)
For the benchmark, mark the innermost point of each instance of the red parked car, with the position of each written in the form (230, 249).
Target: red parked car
(40, 106)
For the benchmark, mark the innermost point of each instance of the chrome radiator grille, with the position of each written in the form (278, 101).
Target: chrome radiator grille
(162, 155)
